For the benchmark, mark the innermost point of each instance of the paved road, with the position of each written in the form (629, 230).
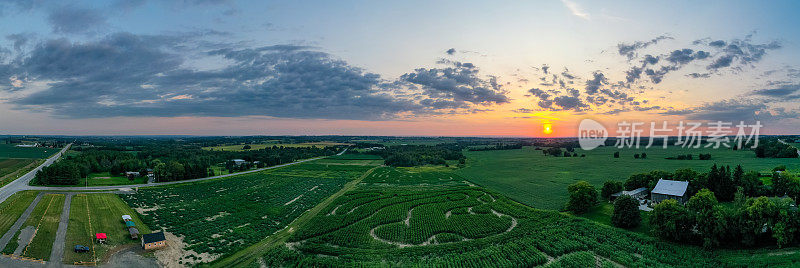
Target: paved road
(61, 235)
(21, 184)
(15, 228)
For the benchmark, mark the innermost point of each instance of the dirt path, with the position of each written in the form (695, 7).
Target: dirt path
(58, 244)
(252, 253)
(24, 217)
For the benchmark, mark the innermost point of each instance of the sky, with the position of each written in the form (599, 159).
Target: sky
(411, 68)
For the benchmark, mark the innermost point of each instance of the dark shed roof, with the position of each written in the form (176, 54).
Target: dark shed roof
(154, 237)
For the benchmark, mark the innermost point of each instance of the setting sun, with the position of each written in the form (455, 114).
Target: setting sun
(547, 128)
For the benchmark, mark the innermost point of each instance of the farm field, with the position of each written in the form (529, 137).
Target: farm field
(464, 226)
(10, 165)
(13, 207)
(98, 213)
(11, 151)
(528, 176)
(39, 230)
(259, 146)
(239, 211)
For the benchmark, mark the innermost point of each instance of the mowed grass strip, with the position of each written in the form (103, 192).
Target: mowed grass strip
(13, 207)
(78, 231)
(106, 212)
(47, 226)
(32, 220)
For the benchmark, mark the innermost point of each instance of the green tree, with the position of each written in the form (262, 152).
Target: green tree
(710, 218)
(756, 218)
(626, 212)
(616, 154)
(582, 196)
(609, 188)
(671, 221)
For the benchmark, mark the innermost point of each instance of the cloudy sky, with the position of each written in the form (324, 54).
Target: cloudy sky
(456, 68)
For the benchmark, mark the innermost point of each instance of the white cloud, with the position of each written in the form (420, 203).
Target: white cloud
(576, 9)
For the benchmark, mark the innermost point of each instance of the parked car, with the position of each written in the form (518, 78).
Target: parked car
(80, 248)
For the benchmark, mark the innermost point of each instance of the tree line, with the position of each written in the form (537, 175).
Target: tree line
(418, 155)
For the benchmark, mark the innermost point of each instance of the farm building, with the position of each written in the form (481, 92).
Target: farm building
(239, 161)
(154, 241)
(635, 193)
(669, 189)
(126, 218)
(129, 224)
(133, 174)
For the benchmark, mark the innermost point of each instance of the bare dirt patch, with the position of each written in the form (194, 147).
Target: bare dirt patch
(174, 255)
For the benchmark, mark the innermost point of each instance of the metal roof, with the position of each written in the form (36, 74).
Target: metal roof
(154, 237)
(631, 192)
(670, 187)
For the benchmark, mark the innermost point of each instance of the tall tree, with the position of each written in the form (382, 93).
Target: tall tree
(582, 196)
(626, 212)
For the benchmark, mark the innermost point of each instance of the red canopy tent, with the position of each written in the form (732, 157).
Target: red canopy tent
(101, 237)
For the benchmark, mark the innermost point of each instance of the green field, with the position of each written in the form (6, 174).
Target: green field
(12, 169)
(44, 220)
(602, 214)
(528, 176)
(259, 146)
(457, 225)
(11, 151)
(105, 212)
(239, 211)
(13, 207)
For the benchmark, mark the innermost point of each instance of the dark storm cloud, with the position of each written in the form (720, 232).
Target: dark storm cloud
(134, 75)
(72, 20)
(629, 50)
(686, 55)
(451, 51)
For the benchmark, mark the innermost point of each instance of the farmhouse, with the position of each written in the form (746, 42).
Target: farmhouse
(669, 189)
(635, 193)
(239, 161)
(154, 241)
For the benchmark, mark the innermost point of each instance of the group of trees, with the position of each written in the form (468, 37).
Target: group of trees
(418, 155)
(556, 151)
(720, 179)
(499, 146)
(169, 160)
(638, 156)
(772, 148)
(751, 221)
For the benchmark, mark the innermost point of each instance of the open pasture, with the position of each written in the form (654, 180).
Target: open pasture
(223, 216)
(11, 151)
(528, 176)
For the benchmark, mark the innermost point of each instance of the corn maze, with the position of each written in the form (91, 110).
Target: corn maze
(223, 216)
(450, 225)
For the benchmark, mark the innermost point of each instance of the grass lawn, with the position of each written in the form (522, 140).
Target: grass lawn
(105, 211)
(528, 176)
(105, 178)
(13, 207)
(44, 219)
(259, 146)
(11, 151)
(602, 214)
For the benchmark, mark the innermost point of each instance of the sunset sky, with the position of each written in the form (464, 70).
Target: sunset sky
(427, 68)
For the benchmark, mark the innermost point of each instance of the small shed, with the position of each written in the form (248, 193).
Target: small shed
(134, 232)
(127, 218)
(669, 189)
(238, 161)
(101, 237)
(154, 241)
(129, 224)
(132, 174)
(635, 193)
